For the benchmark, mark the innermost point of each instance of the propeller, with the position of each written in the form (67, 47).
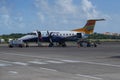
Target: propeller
(50, 38)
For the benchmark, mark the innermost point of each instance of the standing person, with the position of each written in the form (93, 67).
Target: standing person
(79, 43)
(39, 37)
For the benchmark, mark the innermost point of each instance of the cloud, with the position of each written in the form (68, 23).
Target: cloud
(65, 13)
(56, 13)
(89, 9)
(66, 9)
(9, 21)
(50, 14)
(3, 10)
(4, 16)
(66, 6)
(41, 16)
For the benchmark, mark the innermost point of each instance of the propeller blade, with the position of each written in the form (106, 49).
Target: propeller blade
(50, 36)
(48, 33)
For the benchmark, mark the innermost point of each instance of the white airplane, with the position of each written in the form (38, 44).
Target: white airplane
(56, 36)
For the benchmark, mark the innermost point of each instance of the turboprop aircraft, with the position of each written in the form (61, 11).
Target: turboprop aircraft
(59, 37)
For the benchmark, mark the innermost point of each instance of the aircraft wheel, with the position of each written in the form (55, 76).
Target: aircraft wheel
(10, 46)
(51, 45)
(64, 45)
(20, 46)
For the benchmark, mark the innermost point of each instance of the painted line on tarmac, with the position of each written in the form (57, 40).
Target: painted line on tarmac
(71, 61)
(85, 76)
(102, 64)
(88, 76)
(3, 64)
(48, 69)
(23, 55)
(37, 62)
(20, 63)
(54, 62)
(86, 62)
(17, 63)
(12, 72)
(93, 63)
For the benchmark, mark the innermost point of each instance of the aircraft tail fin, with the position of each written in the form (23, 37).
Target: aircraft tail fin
(89, 27)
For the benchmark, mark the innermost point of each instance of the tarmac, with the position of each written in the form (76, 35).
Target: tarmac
(61, 63)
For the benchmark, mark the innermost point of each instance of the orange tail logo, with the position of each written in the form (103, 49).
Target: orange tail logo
(89, 27)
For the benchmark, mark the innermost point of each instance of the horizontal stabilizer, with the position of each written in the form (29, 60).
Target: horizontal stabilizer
(98, 19)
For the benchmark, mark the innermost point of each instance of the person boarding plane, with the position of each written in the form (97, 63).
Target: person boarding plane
(59, 37)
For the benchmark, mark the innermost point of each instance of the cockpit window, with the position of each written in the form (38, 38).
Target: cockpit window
(31, 33)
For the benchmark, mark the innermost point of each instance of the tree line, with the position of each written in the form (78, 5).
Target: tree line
(103, 36)
(6, 37)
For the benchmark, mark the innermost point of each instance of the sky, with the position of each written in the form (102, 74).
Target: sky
(23, 16)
